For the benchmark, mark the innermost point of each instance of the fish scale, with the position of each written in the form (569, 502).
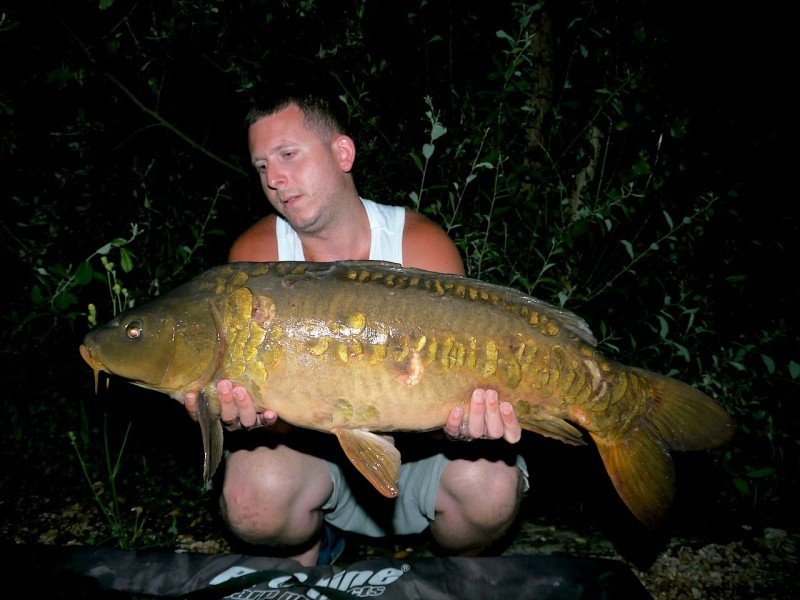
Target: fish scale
(362, 348)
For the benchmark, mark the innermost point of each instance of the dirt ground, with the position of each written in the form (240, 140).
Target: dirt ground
(739, 563)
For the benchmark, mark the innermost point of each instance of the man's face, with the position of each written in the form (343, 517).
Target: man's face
(300, 173)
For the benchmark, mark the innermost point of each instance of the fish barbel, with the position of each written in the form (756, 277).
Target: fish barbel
(359, 348)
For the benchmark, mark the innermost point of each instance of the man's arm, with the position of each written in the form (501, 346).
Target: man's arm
(257, 244)
(427, 246)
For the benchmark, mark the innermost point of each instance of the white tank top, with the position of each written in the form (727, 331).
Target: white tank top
(386, 234)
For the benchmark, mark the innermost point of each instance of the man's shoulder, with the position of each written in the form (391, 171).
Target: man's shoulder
(426, 245)
(258, 243)
(418, 223)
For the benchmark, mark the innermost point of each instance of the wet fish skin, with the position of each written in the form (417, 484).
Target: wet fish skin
(358, 347)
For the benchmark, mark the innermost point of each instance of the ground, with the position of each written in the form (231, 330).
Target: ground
(742, 562)
(715, 546)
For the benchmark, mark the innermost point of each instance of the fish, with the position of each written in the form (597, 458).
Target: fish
(361, 349)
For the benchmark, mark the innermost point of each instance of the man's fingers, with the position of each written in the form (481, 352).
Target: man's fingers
(228, 409)
(477, 412)
(237, 410)
(511, 427)
(190, 404)
(247, 410)
(268, 417)
(488, 418)
(495, 426)
(453, 425)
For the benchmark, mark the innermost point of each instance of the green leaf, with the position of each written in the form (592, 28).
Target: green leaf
(36, 295)
(794, 369)
(84, 273)
(126, 260)
(769, 363)
(736, 278)
(64, 300)
(683, 351)
(437, 131)
(759, 473)
(742, 486)
(504, 36)
(427, 150)
(664, 326)
(628, 247)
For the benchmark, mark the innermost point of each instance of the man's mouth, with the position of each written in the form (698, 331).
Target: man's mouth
(288, 198)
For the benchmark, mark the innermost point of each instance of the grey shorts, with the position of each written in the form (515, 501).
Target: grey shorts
(356, 507)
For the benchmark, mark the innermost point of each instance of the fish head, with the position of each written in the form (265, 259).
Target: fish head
(169, 345)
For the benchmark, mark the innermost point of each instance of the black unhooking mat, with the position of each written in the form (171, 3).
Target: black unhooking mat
(84, 572)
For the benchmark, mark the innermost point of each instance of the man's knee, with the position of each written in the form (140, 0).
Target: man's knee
(254, 503)
(248, 517)
(477, 504)
(485, 493)
(265, 502)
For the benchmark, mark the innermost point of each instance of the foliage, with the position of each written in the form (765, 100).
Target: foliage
(552, 142)
(112, 510)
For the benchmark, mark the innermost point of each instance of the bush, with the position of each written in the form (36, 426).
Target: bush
(552, 142)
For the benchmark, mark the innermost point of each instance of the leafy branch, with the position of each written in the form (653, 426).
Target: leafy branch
(654, 246)
(154, 114)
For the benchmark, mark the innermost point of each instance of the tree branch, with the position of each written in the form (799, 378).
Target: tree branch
(154, 114)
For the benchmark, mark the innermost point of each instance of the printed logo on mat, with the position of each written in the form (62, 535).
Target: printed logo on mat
(354, 583)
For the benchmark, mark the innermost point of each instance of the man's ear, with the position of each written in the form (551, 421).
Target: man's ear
(344, 149)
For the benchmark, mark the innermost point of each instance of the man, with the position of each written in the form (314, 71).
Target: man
(279, 491)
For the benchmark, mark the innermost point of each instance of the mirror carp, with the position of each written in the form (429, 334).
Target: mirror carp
(360, 349)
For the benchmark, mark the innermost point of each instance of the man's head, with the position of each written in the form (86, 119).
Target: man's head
(304, 161)
(318, 114)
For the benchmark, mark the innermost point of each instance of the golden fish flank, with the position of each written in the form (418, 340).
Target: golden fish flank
(353, 348)
(247, 319)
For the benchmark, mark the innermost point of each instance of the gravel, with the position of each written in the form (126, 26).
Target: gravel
(743, 562)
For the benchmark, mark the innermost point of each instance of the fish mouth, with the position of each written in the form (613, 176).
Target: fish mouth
(96, 365)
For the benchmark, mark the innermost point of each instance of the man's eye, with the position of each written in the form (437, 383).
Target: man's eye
(261, 168)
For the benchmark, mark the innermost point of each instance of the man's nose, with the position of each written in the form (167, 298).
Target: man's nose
(275, 178)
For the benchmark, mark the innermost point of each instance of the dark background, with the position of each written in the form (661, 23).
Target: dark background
(134, 114)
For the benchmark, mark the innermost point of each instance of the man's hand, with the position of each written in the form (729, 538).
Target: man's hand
(237, 408)
(488, 419)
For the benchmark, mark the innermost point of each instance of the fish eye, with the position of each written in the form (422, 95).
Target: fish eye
(133, 329)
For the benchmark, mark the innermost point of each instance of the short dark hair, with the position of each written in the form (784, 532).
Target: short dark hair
(318, 114)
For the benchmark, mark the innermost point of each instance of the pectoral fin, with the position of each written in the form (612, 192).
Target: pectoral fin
(552, 427)
(374, 456)
(211, 429)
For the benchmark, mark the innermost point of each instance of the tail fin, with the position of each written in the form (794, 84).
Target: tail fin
(679, 417)
(685, 417)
